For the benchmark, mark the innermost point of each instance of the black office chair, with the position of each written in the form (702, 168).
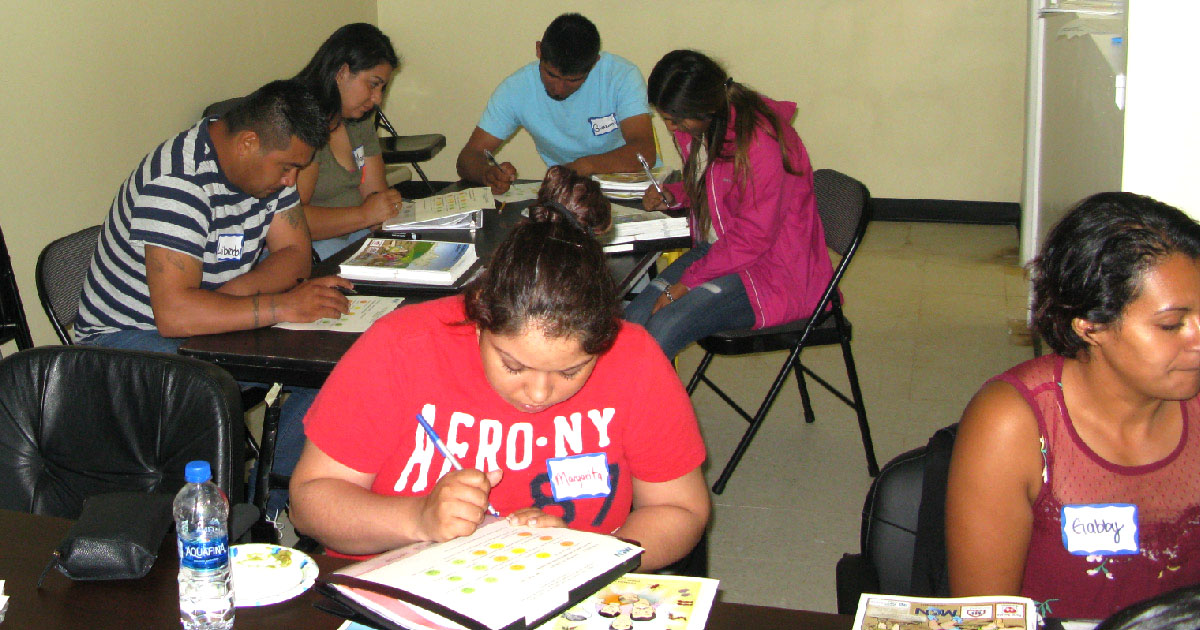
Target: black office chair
(411, 150)
(76, 421)
(902, 540)
(845, 208)
(60, 273)
(13, 325)
(61, 270)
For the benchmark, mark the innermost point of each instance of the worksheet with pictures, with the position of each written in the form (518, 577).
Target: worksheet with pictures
(636, 601)
(893, 612)
(499, 574)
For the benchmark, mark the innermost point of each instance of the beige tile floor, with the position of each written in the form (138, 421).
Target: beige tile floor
(931, 306)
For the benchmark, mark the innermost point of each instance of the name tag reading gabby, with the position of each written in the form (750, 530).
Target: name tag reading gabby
(579, 476)
(1105, 529)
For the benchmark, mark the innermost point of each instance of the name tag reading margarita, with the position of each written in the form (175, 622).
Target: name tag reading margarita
(579, 476)
(1107, 529)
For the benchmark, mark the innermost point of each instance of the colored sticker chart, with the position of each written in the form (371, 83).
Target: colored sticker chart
(499, 574)
(642, 602)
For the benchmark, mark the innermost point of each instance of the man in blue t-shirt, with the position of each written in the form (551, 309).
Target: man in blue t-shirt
(585, 109)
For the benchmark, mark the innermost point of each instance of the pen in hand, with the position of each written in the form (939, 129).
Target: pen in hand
(492, 160)
(441, 447)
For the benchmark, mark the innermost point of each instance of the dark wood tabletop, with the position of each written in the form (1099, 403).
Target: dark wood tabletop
(27, 541)
(305, 358)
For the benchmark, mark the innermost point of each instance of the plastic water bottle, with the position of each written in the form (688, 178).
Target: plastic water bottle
(201, 516)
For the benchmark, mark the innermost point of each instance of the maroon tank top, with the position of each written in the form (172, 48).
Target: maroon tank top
(1167, 493)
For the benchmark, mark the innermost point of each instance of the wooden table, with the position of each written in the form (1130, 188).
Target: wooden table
(305, 358)
(26, 542)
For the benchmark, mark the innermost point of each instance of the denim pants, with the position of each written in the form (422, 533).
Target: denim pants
(719, 304)
(290, 439)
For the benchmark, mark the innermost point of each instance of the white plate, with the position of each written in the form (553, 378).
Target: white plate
(266, 574)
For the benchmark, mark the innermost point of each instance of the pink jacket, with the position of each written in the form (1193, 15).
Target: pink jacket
(769, 232)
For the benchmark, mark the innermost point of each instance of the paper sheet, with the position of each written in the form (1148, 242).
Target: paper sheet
(364, 311)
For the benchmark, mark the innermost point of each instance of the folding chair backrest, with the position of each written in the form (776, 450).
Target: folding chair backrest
(842, 202)
(13, 325)
(61, 269)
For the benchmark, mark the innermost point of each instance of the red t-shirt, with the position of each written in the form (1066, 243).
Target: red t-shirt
(421, 359)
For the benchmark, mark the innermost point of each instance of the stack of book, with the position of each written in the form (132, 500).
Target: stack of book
(414, 262)
(630, 225)
(461, 210)
(628, 185)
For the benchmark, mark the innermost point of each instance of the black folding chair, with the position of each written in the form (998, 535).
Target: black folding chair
(13, 325)
(845, 208)
(410, 150)
(61, 270)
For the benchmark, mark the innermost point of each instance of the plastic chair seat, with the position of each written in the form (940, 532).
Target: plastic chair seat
(772, 338)
(409, 149)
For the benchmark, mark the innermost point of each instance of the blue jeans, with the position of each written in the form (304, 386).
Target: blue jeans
(719, 304)
(290, 440)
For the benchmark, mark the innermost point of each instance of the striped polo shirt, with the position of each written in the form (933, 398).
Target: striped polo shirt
(178, 199)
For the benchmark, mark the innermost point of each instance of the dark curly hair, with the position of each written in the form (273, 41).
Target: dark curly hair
(1095, 258)
(551, 271)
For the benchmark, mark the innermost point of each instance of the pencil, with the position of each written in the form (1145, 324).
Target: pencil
(441, 447)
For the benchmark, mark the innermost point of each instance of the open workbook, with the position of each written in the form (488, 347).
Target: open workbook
(502, 577)
(460, 210)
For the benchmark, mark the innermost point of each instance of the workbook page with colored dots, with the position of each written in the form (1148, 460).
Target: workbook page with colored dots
(503, 572)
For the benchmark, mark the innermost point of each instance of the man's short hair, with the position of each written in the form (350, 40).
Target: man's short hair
(571, 44)
(276, 112)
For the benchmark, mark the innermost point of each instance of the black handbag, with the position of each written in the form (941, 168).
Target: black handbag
(117, 537)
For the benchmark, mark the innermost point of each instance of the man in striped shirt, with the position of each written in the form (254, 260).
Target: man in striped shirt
(181, 250)
(179, 254)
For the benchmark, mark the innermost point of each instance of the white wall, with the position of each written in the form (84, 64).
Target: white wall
(916, 98)
(1162, 120)
(89, 87)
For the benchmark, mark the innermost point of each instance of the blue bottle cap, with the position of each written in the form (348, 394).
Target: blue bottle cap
(197, 472)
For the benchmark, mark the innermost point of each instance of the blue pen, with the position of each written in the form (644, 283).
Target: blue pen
(441, 447)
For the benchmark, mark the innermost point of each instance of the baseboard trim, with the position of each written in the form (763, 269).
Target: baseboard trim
(947, 211)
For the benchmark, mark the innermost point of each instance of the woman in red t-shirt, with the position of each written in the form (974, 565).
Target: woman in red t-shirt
(536, 385)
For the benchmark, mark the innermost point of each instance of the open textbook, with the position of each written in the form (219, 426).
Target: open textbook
(895, 612)
(450, 211)
(631, 225)
(502, 577)
(416, 262)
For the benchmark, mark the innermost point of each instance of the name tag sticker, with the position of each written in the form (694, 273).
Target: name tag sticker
(360, 157)
(579, 476)
(1105, 529)
(229, 246)
(603, 124)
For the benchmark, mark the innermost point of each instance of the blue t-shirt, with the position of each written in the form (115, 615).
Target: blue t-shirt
(586, 123)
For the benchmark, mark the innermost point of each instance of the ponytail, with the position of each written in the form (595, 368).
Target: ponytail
(551, 272)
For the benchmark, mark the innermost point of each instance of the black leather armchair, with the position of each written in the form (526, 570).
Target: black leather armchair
(77, 421)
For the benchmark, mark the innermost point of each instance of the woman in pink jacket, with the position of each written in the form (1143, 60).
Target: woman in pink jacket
(758, 256)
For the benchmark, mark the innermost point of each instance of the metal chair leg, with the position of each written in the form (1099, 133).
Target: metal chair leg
(699, 373)
(859, 408)
(420, 172)
(263, 530)
(759, 416)
(809, 417)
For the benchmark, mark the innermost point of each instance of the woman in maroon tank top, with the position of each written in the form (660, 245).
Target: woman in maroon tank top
(1075, 478)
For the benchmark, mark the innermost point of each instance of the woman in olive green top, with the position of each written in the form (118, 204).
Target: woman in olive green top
(344, 191)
